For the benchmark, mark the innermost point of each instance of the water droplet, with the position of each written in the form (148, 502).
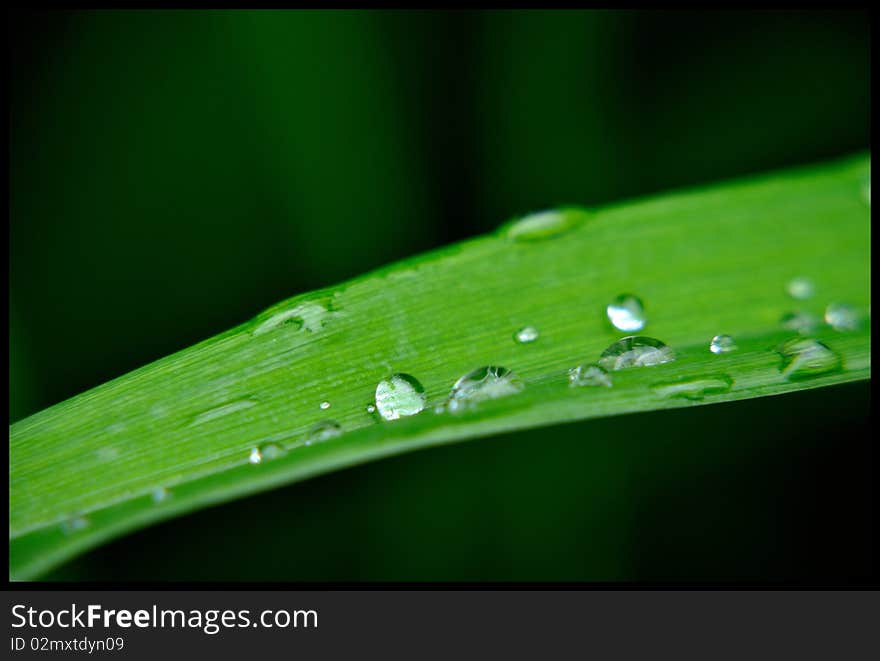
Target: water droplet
(398, 396)
(866, 191)
(526, 335)
(589, 375)
(271, 451)
(482, 384)
(722, 344)
(221, 411)
(309, 316)
(635, 351)
(74, 524)
(800, 288)
(544, 224)
(626, 313)
(255, 457)
(371, 408)
(842, 317)
(803, 358)
(323, 431)
(694, 388)
(160, 495)
(800, 322)
(324, 405)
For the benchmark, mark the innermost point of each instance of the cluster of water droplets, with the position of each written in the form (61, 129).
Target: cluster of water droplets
(806, 356)
(401, 395)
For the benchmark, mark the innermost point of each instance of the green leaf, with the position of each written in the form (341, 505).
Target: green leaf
(180, 433)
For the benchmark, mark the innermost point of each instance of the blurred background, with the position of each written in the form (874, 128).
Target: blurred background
(174, 173)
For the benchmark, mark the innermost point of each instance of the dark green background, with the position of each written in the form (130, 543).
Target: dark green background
(174, 173)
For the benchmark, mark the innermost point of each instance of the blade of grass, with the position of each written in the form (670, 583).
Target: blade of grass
(179, 434)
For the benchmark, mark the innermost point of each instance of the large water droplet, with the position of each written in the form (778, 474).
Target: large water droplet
(626, 313)
(544, 224)
(803, 358)
(842, 317)
(482, 384)
(800, 322)
(800, 288)
(589, 375)
(694, 388)
(323, 431)
(722, 344)
(635, 351)
(526, 335)
(398, 396)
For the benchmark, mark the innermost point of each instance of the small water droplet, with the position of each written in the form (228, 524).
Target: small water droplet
(694, 388)
(255, 457)
(800, 322)
(800, 288)
(626, 313)
(309, 316)
(842, 317)
(271, 451)
(439, 409)
(371, 408)
(544, 224)
(398, 396)
(482, 384)
(74, 524)
(722, 344)
(866, 191)
(526, 335)
(803, 358)
(221, 411)
(589, 375)
(160, 495)
(323, 431)
(324, 406)
(635, 351)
